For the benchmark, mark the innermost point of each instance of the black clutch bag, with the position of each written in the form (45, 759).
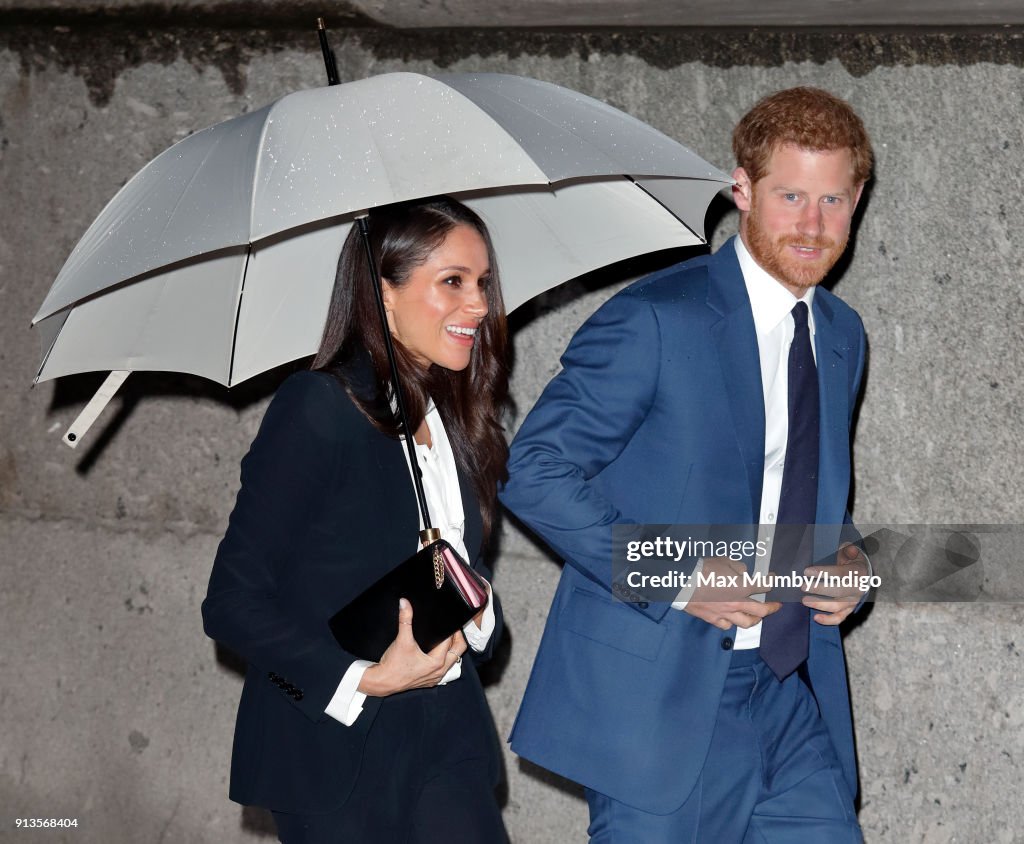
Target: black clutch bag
(444, 592)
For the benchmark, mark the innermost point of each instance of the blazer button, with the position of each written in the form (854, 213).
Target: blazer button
(643, 605)
(298, 696)
(726, 644)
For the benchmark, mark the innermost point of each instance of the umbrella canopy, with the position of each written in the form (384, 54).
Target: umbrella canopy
(218, 258)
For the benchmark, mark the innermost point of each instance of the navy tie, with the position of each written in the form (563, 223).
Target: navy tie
(784, 634)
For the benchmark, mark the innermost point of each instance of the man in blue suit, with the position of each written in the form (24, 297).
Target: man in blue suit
(716, 392)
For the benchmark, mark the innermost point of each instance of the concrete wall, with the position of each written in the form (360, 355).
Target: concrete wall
(115, 709)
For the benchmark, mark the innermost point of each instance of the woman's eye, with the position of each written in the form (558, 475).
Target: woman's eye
(454, 281)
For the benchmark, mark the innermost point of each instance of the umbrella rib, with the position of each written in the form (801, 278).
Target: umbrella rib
(238, 314)
(376, 149)
(257, 174)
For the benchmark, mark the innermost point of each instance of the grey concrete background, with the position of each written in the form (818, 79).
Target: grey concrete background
(435, 14)
(115, 710)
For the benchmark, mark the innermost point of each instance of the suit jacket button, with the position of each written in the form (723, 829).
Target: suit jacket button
(298, 696)
(726, 644)
(643, 605)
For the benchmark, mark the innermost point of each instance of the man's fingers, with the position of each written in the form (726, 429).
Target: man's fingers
(739, 613)
(821, 576)
(829, 604)
(830, 612)
(849, 553)
(838, 593)
(743, 619)
(735, 567)
(831, 619)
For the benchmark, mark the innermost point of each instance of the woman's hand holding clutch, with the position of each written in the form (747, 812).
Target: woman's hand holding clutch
(404, 666)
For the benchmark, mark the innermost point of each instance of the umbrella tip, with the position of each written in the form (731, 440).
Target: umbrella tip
(320, 24)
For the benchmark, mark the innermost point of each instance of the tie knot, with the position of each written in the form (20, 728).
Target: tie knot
(800, 315)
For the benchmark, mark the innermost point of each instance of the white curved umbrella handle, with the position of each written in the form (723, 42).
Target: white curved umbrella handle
(94, 408)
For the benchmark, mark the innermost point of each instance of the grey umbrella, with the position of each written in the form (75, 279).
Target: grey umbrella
(218, 257)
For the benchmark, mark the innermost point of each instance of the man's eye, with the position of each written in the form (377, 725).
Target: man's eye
(790, 197)
(831, 200)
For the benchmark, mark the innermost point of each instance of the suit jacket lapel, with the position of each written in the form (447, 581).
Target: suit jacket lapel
(736, 346)
(833, 378)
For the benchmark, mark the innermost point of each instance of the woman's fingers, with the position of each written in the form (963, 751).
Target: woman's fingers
(404, 622)
(406, 666)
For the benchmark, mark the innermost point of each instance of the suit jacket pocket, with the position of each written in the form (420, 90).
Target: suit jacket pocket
(613, 623)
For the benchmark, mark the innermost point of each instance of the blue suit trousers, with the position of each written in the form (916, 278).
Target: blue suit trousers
(771, 777)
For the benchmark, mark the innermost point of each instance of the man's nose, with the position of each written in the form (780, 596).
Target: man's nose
(811, 220)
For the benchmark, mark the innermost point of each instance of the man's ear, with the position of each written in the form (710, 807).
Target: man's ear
(741, 191)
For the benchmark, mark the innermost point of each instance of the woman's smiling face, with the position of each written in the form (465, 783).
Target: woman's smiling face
(436, 313)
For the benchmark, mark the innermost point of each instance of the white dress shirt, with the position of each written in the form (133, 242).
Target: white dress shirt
(444, 501)
(772, 306)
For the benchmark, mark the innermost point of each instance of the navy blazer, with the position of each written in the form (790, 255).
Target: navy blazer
(657, 417)
(325, 508)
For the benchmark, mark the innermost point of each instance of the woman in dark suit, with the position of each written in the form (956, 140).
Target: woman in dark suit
(341, 749)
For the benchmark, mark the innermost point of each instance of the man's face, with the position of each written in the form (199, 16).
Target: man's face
(795, 220)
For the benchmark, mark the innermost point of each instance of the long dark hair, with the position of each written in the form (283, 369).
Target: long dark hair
(471, 401)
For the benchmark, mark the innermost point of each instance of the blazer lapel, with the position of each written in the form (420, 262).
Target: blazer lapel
(833, 380)
(736, 347)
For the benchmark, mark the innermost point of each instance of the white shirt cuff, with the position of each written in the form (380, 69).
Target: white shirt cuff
(348, 701)
(478, 637)
(452, 673)
(684, 595)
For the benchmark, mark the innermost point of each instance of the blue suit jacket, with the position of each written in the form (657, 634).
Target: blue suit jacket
(658, 417)
(326, 508)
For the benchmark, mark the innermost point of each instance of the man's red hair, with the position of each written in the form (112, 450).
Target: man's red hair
(808, 118)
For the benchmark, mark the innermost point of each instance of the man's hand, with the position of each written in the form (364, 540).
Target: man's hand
(724, 606)
(837, 602)
(404, 666)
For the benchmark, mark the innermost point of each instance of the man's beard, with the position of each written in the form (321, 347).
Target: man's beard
(774, 255)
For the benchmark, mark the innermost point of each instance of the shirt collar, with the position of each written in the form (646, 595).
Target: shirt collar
(769, 300)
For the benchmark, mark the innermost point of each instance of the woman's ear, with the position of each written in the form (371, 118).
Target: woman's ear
(387, 291)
